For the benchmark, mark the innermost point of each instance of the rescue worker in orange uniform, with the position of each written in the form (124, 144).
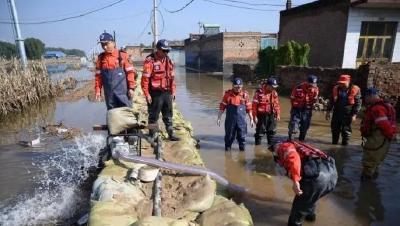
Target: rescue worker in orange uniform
(378, 129)
(313, 174)
(115, 74)
(266, 110)
(236, 103)
(303, 97)
(346, 104)
(159, 88)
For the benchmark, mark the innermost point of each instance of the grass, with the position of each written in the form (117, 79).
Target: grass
(19, 89)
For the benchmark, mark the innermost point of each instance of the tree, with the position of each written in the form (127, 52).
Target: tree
(34, 48)
(7, 50)
(292, 53)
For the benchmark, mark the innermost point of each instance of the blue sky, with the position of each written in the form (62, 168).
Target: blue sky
(130, 17)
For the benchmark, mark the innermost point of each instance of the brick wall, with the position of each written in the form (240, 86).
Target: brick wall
(323, 27)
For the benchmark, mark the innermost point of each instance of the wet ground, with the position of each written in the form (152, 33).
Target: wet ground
(50, 177)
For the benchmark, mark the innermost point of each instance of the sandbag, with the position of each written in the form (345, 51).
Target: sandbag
(201, 195)
(161, 221)
(120, 119)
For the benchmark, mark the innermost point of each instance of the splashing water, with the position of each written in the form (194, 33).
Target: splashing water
(57, 195)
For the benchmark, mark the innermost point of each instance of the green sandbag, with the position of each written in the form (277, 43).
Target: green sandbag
(120, 119)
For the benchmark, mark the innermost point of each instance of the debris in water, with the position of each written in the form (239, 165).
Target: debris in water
(264, 175)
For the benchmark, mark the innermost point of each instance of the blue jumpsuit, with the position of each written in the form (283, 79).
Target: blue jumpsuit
(115, 88)
(236, 105)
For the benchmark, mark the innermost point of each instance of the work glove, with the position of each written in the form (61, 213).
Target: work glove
(219, 121)
(296, 188)
(97, 96)
(148, 99)
(131, 93)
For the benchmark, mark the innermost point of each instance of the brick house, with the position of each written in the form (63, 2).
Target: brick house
(217, 52)
(345, 33)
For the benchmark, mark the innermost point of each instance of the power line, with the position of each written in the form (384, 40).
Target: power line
(163, 22)
(253, 4)
(180, 9)
(240, 7)
(147, 25)
(67, 18)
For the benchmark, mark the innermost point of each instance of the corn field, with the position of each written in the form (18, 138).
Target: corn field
(20, 89)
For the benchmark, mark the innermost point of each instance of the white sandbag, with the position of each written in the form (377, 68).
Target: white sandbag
(120, 119)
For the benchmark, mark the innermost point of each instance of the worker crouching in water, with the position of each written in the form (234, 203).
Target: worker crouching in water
(115, 74)
(303, 97)
(266, 111)
(313, 174)
(378, 129)
(346, 104)
(159, 88)
(237, 104)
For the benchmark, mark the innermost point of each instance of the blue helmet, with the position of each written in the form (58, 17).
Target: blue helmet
(106, 37)
(372, 91)
(272, 82)
(163, 45)
(312, 79)
(237, 81)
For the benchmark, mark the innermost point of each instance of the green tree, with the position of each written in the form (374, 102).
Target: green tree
(7, 50)
(34, 48)
(292, 53)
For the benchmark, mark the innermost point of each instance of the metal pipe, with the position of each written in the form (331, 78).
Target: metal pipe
(193, 170)
(19, 41)
(157, 184)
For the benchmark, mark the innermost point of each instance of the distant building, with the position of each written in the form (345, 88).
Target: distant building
(345, 33)
(137, 54)
(218, 52)
(53, 54)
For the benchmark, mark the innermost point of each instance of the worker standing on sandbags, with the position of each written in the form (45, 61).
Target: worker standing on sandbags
(312, 172)
(115, 74)
(159, 88)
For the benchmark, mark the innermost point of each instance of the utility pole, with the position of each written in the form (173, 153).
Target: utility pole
(154, 24)
(18, 40)
(288, 4)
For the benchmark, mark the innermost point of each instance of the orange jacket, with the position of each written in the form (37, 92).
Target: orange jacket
(264, 102)
(304, 96)
(291, 154)
(236, 99)
(383, 116)
(110, 61)
(352, 93)
(158, 74)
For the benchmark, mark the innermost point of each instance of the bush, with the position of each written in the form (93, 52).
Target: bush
(34, 48)
(292, 53)
(7, 50)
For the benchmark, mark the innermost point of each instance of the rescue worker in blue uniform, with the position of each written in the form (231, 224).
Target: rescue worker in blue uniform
(303, 97)
(115, 74)
(237, 104)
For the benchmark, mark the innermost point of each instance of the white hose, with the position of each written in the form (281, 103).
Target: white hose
(193, 170)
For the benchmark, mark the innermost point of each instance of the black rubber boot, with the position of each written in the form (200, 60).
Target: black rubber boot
(302, 136)
(310, 217)
(257, 141)
(227, 148)
(345, 142)
(335, 139)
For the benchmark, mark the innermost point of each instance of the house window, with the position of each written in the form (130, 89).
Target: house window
(376, 41)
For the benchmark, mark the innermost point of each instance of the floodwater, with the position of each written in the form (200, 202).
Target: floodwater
(48, 185)
(351, 203)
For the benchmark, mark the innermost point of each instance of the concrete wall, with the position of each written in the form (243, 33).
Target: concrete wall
(356, 16)
(323, 27)
(205, 54)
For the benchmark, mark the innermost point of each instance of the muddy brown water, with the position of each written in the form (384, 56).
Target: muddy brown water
(198, 97)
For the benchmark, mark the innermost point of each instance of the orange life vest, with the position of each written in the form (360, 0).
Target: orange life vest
(351, 94)
(303, 96)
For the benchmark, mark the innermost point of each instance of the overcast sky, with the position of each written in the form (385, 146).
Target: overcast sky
(130, 17)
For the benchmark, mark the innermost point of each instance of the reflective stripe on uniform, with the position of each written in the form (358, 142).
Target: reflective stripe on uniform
(147, 75)
(255, 101)
(224, 103)
(98, 71)
(379, 119)
(129, 69)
